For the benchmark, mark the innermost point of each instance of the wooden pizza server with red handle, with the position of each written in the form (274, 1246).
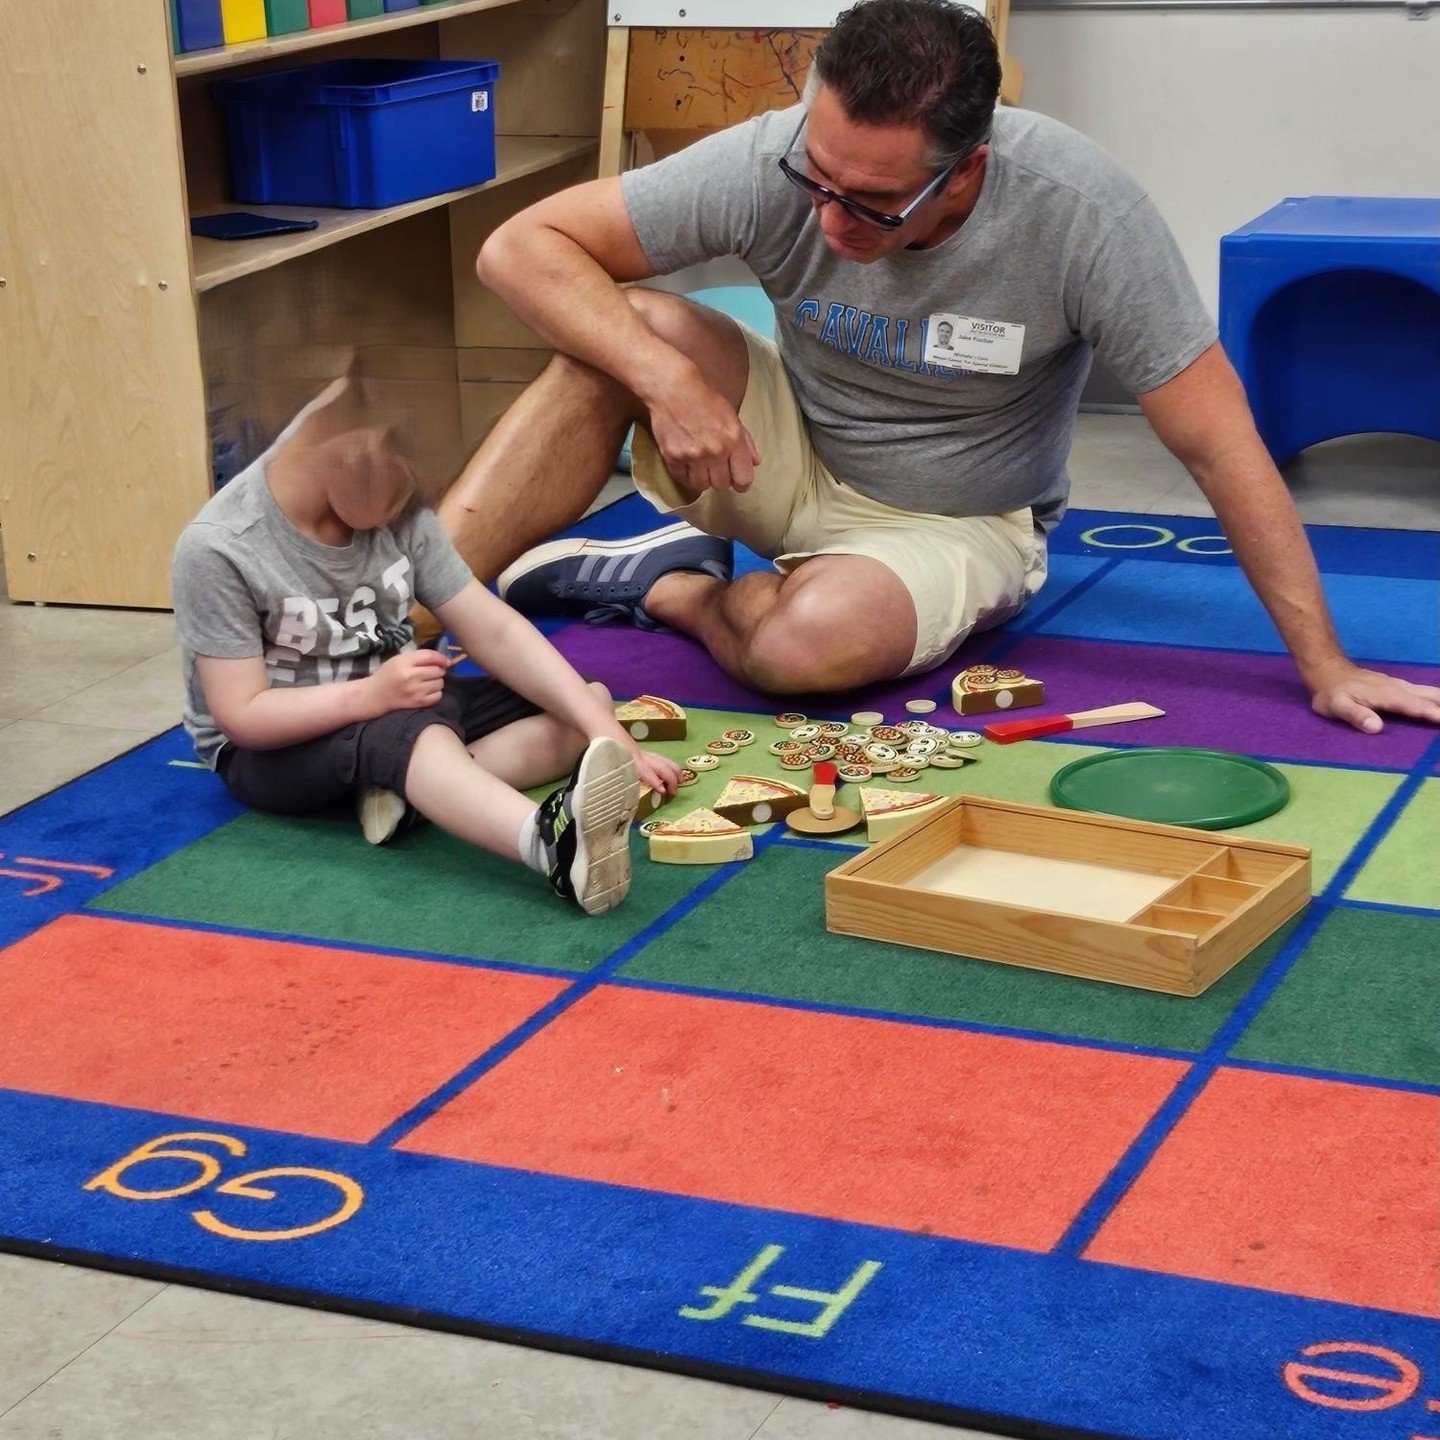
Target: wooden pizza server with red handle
(1032, 727)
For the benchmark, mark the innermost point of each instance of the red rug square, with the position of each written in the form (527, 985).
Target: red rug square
(909, 1126)
(266, 1033)
(1314, 1187)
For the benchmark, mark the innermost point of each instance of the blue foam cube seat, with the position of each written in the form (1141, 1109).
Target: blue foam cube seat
(1330, 312)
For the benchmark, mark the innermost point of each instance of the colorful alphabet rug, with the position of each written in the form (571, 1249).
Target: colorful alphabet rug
(700, 1133)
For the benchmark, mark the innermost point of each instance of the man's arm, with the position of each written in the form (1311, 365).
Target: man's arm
(559, 266)
(1203, 419)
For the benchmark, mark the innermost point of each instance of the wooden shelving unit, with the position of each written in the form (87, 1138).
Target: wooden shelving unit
(250, 52)
(131, 355)
(220, 261)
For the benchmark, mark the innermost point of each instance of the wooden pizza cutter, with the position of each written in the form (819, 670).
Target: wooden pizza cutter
(822, 816)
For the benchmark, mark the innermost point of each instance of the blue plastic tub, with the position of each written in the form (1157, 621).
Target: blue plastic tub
(361, 133)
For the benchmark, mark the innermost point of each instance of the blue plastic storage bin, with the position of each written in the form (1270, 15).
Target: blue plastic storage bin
(361, 133)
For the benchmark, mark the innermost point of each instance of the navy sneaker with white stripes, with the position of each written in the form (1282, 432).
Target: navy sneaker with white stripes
(609, 579)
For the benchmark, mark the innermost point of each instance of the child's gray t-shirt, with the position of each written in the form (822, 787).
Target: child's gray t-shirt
(247, 582)
(1064, 254)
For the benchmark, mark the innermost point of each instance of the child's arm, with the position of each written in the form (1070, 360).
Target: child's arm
(258, 716)
(514, 651)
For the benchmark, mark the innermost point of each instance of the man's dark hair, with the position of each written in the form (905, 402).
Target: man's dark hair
(930, 63)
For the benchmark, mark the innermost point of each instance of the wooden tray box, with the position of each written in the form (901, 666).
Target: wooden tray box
(1154, 906)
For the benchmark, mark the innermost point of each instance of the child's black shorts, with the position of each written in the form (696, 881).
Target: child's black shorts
(319, 772)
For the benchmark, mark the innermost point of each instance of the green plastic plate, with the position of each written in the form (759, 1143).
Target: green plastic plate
(1173, 785)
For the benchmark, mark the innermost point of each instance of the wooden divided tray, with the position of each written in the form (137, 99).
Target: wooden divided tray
(1155, 906)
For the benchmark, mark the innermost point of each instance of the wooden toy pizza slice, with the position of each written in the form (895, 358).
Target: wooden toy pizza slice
(647, 717)
(700, 838)
(755, 800)
(889, 811)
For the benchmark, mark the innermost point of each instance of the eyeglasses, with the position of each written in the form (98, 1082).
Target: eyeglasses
(880, 218)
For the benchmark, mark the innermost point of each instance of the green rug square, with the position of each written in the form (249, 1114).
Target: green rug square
(318, 878)
(1328, 810)
(763, 933)
(1405, 867)
(1361, 1000)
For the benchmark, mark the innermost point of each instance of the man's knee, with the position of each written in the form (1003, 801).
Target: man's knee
(802, 646)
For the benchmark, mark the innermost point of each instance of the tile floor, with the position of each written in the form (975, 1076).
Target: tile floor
(90, 1356)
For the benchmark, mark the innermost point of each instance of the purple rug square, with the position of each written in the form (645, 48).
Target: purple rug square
(636, 662)
(1222, 700)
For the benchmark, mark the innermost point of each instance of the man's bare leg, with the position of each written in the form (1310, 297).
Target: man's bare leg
(834, 623)
(539, 468)
(555, 447)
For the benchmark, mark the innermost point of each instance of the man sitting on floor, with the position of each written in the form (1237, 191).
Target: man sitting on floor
(941, 274)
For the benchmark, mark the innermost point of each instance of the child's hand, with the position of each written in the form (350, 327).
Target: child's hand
(410, 681)
(656, 771)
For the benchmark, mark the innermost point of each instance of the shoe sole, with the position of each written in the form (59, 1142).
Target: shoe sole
(541, 555)
(607, 793)
(381, 815)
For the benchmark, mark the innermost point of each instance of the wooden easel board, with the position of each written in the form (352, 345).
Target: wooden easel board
(1155, 906)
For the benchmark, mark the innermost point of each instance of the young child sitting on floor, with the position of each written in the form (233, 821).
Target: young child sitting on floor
(293, 588)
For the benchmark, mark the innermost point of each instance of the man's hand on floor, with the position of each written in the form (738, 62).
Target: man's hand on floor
(1359, 697)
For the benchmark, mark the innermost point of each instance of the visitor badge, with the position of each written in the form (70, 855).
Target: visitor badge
(961, 342)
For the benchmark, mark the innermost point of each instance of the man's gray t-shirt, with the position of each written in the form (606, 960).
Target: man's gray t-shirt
(1062, 242)
(247, 582)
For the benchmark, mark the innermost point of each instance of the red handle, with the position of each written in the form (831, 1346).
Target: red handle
(1005, 731)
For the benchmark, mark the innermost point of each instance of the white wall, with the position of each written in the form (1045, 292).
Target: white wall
(1220, 114)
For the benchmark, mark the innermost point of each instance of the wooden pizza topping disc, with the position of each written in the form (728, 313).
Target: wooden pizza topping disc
(806, 732)
(951, 759)
(721, 747)
(920, 707)
(889, 734)
(789, 719)
(866, 718)
(687, 777)
(965, 739)
(739, 737)
(703, 762)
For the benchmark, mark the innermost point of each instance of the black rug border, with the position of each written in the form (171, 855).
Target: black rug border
(876, 1401)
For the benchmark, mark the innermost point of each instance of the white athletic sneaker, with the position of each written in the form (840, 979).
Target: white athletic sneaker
(585, 828)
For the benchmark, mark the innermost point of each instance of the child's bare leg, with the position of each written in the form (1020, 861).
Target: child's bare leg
(445, 785)
(532, 751)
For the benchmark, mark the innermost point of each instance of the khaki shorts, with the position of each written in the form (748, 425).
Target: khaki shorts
(963, 575)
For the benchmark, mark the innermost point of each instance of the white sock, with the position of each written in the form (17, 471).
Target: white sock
(532, 847)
